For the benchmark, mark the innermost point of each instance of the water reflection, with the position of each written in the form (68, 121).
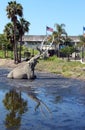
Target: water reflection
(40, 104)
(16, 106)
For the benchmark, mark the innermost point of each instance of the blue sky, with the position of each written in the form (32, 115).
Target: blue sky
(42, 13)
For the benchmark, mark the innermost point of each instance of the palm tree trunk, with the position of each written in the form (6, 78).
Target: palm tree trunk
(58, 50)
(20, 48)
(15, 46)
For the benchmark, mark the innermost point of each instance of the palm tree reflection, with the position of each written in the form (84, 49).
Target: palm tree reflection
(16, 106)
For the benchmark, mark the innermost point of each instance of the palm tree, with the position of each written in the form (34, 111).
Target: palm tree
(4, 43)
(22, 26)
(13, 10)
(59, 35)
(9, 33)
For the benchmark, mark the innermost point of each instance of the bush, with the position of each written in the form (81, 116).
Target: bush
(66, 51)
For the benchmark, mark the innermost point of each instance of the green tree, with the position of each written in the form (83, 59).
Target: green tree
(22, 26)
(13, 11)
(9, 33)
(67, 51)
(4, 43)
(82, 45)
(59, 35)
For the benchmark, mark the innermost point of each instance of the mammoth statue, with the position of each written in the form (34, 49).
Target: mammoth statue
(26, 70)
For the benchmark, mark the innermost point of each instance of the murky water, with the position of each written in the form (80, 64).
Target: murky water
(50, 102)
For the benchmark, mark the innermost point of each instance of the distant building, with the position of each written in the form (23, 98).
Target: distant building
(35, 40)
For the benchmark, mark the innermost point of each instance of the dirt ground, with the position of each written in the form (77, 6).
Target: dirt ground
(7, 63)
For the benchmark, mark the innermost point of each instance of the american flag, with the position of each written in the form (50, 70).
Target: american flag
(49, 29)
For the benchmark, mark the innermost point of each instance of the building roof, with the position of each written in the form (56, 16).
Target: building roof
(75, 38)
(33, 38)
(40, 38)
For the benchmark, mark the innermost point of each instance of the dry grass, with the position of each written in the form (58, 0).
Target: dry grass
(73, 69)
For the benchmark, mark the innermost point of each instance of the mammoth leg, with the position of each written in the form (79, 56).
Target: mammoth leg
(30, 75)
(10, 75)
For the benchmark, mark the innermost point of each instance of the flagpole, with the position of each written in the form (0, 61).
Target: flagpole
(83, 31)
(46, 30)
